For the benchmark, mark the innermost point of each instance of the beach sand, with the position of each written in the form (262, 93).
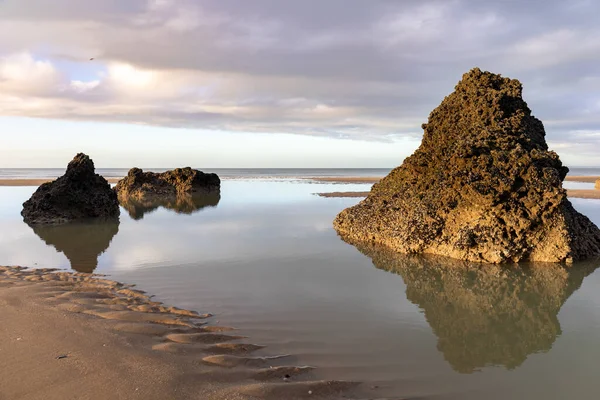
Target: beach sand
(78, 336)
(375, 179)
(573, 193)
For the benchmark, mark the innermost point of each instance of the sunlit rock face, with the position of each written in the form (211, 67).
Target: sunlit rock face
(182, 204)
(79, 194)
(482, 186)
(180, 181)
(81, 242)
(485, 315)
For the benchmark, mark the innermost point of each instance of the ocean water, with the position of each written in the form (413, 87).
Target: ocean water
(263, 257)
(224, 173)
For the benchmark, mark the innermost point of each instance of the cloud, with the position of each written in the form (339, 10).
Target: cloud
(343, 68)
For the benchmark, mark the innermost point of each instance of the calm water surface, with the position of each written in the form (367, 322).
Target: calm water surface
(264, 258)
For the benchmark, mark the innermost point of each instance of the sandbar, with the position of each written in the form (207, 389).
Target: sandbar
(375, 179)
(81, 336)
(573, 193)
(583, 178)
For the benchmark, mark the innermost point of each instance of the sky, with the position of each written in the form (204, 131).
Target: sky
(279, 83)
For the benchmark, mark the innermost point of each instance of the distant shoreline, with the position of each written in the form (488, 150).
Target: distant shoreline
(38, 181)
(324, 179)
(573, 193)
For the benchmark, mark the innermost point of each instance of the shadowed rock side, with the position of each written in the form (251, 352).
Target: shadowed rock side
(79, 194)
(180, 181)
(183, 204)
(81, 242)
(485, 315)
(482, 186)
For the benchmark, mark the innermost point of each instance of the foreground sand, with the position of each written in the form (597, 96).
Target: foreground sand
(573, 193)
(77, 336)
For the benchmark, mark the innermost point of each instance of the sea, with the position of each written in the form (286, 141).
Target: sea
(263, 257)
(224, 173)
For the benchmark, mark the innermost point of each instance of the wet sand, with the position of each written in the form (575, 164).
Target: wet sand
(79, 336)
(583, 178)
(374, 179)
(37, 182)
(346, 179)
(574, 193)
(343, 194)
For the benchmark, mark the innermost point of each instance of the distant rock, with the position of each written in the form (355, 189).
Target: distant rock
(180, 181)
(483, 314)
(482, 186)
(79, 194)
(181, 204)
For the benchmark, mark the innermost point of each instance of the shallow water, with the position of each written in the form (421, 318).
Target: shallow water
(264, 258)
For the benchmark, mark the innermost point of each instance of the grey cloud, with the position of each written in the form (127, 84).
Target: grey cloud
(376, 67)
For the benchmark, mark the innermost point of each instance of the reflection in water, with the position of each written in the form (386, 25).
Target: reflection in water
(485, 314)
(189, 204)
(81, 242)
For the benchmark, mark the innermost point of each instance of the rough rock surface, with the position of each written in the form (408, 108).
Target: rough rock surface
(180, 181)
(481, 187)
(79, 194)
(485, 314)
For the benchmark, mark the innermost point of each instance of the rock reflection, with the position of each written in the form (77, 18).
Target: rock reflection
(190, 204)
(485, 314)
(82, 242)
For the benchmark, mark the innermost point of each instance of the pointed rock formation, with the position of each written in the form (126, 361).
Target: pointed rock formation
(180, 181)
(79, 194)
(482, 186)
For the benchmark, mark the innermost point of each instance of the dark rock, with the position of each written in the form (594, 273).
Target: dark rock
(482, 186)
(180, 181)
(485, 314)
(181, 204)
(81, 242)
(79, 194)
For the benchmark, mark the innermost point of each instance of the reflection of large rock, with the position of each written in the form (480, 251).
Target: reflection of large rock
(482, 186)
(183, 204)
(79, 194)
(180, 181)
(82, 243)
(485, 314)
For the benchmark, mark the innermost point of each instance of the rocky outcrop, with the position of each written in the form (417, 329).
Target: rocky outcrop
(81, 242)
(485, 314)
(79, 194)
(180, 181)
(482, 186)
(182, 204)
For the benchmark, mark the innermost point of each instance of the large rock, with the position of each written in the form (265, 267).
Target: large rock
(180, 181)
(481, 187)
(79, 194)
(485, 314)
